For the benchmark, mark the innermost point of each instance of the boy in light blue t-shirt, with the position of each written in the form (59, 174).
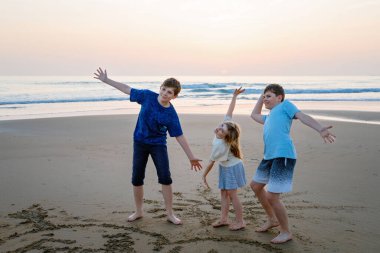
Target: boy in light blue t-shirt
(276, 169)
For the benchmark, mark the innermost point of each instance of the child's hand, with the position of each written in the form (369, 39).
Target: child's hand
(102, 76)
(326, 135)
(205, 181)
(238, 91)
(195, 164)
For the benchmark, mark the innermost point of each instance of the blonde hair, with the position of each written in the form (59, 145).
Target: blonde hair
(233, 138)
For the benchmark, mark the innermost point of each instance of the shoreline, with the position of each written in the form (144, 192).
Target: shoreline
(347, 111)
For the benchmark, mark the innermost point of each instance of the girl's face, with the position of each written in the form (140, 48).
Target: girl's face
(221, 131)
(271, 100)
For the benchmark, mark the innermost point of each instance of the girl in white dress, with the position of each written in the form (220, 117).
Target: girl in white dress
(226, 150)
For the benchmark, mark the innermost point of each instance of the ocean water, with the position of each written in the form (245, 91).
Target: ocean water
(46, 96)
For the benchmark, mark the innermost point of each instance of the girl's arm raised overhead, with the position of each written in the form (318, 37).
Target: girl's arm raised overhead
(231, 108)
(102, 76)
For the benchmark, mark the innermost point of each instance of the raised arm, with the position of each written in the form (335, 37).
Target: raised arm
(102, 76)
(185, 146)
(256, 113)
(311, 122)
(231, 108)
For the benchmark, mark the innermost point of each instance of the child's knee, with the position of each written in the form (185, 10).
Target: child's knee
(231, 192)
(137, 182)
(163, 174)
(273, 198)
(165, 180)
(224, 193)
(256, 187)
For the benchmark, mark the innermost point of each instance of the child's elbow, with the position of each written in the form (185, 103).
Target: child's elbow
(255, 116)
(179, 137)
(258, 118)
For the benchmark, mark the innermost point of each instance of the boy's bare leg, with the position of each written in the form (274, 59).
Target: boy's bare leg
(224, 208)
(261, 195)
(168, 199)
(239, 222)
(138, 193)
(282, 216)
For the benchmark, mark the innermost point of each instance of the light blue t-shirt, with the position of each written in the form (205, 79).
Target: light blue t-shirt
(277, 140)
(154, 120)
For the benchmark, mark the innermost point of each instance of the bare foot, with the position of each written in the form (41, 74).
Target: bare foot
(282, 238)
(173, 219)
(237, 226)
(268, 225)
(220, 223)
(135, 216)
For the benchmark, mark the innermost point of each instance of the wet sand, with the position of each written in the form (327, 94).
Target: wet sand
(65, 186)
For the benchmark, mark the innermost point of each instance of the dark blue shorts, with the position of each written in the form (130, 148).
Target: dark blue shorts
(277, 173)
(159, 154)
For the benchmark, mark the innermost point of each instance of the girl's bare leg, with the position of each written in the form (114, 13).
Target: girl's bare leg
(239, 222)
(224, 204)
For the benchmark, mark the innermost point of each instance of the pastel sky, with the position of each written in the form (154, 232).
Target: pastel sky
(190, 37)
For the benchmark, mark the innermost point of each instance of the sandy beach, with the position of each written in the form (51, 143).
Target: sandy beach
(65, 186)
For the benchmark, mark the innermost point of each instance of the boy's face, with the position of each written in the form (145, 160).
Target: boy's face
(166, 94)
(271, 100)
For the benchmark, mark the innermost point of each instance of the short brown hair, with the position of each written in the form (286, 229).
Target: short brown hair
(172, 83)
(276, 89)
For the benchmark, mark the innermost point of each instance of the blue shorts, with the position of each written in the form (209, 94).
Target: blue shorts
(159, 154)
(276, 173)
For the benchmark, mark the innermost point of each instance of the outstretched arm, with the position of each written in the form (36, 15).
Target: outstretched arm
(208, 169)
(185, 146)
(231, 108)
(322, 130)
(102, 76)
(256, 113)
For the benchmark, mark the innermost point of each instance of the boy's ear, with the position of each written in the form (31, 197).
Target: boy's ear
(281, 97)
